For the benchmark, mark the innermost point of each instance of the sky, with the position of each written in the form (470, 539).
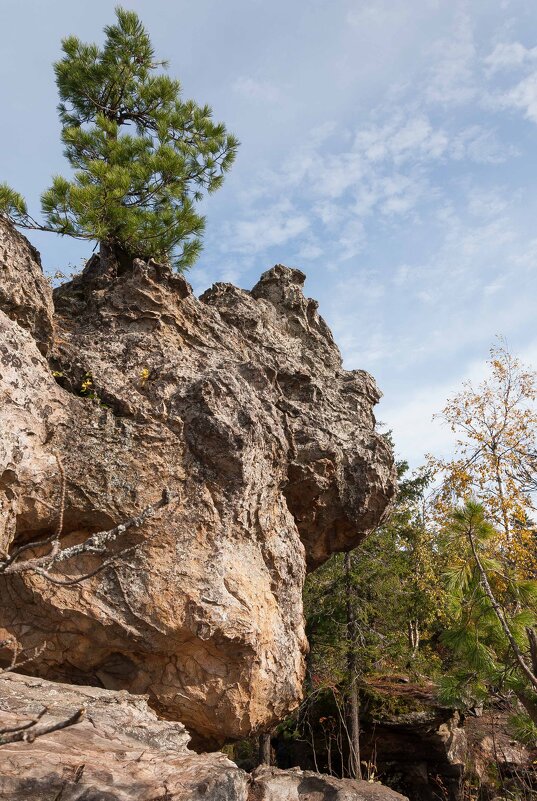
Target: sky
(388, 149)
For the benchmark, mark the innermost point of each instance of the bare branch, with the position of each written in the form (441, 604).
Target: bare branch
(16, 662)
(94, 544)
(27, 732)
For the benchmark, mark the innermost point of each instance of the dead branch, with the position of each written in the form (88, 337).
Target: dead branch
(16, 662)
(28, 732)
(95, 544)
(42, 565)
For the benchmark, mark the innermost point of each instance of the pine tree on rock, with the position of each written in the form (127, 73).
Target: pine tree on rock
(142, 157)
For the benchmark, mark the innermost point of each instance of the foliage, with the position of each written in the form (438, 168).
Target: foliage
(493, 616)
(392, 583)
(496, 459)
(524, 729)
(445, 589)
(142, 157)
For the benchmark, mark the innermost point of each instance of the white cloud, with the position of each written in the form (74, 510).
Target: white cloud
(309, 251)
(351, 239)
(523, 96)
(451, 80)
(267, 228)
(487, 203)
(334, 174)
(481, 145)
(262, 91)
(507, 55)
(415, 412)
(382, 169)
(409, 137)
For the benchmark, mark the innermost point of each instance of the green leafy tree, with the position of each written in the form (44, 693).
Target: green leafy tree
(396, 598)
(142, 157)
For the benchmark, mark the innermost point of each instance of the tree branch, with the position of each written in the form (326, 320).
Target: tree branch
(27, 732)
(498, 611)
(95, 544)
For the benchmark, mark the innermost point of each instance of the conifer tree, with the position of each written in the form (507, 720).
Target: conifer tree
(142, 157)
(493, 635)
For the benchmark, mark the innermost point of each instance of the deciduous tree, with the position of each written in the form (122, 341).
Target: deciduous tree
(496, 455)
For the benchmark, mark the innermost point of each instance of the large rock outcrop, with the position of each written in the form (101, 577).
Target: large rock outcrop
(238, 404)
(122, 752)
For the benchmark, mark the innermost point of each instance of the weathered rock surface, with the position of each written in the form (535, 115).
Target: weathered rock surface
(271, 784)
(120, 751)
(25, 294)
(238, 404)
(418, 746)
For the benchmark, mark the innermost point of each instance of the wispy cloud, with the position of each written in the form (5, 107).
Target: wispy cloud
(510, 54)
(262, 91)
(523, 96)
(452, 80)
(388, 150)
(274, 226)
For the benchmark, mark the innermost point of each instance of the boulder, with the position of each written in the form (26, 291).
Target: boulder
(272, 784)
(238, 404)
(120, 751)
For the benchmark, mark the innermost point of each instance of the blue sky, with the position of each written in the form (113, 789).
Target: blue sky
(389, 149)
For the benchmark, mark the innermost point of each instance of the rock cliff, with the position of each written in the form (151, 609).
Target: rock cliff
(238, 404)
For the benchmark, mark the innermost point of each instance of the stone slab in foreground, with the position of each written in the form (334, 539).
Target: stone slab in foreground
(121, 751)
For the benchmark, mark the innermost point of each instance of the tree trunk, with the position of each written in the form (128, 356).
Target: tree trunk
(532, 639)
(355, 768)
(114, 259)
(413, 638)
(264, 749)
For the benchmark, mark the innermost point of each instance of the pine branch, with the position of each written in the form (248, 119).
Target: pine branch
(498, 611)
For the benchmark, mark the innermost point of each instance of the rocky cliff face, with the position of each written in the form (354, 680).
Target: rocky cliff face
(238, 404)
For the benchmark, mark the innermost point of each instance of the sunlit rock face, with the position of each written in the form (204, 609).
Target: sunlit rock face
(238, 404)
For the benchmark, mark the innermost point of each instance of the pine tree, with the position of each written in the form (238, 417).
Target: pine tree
(493, 635)
(360, 605)
(142, 157)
